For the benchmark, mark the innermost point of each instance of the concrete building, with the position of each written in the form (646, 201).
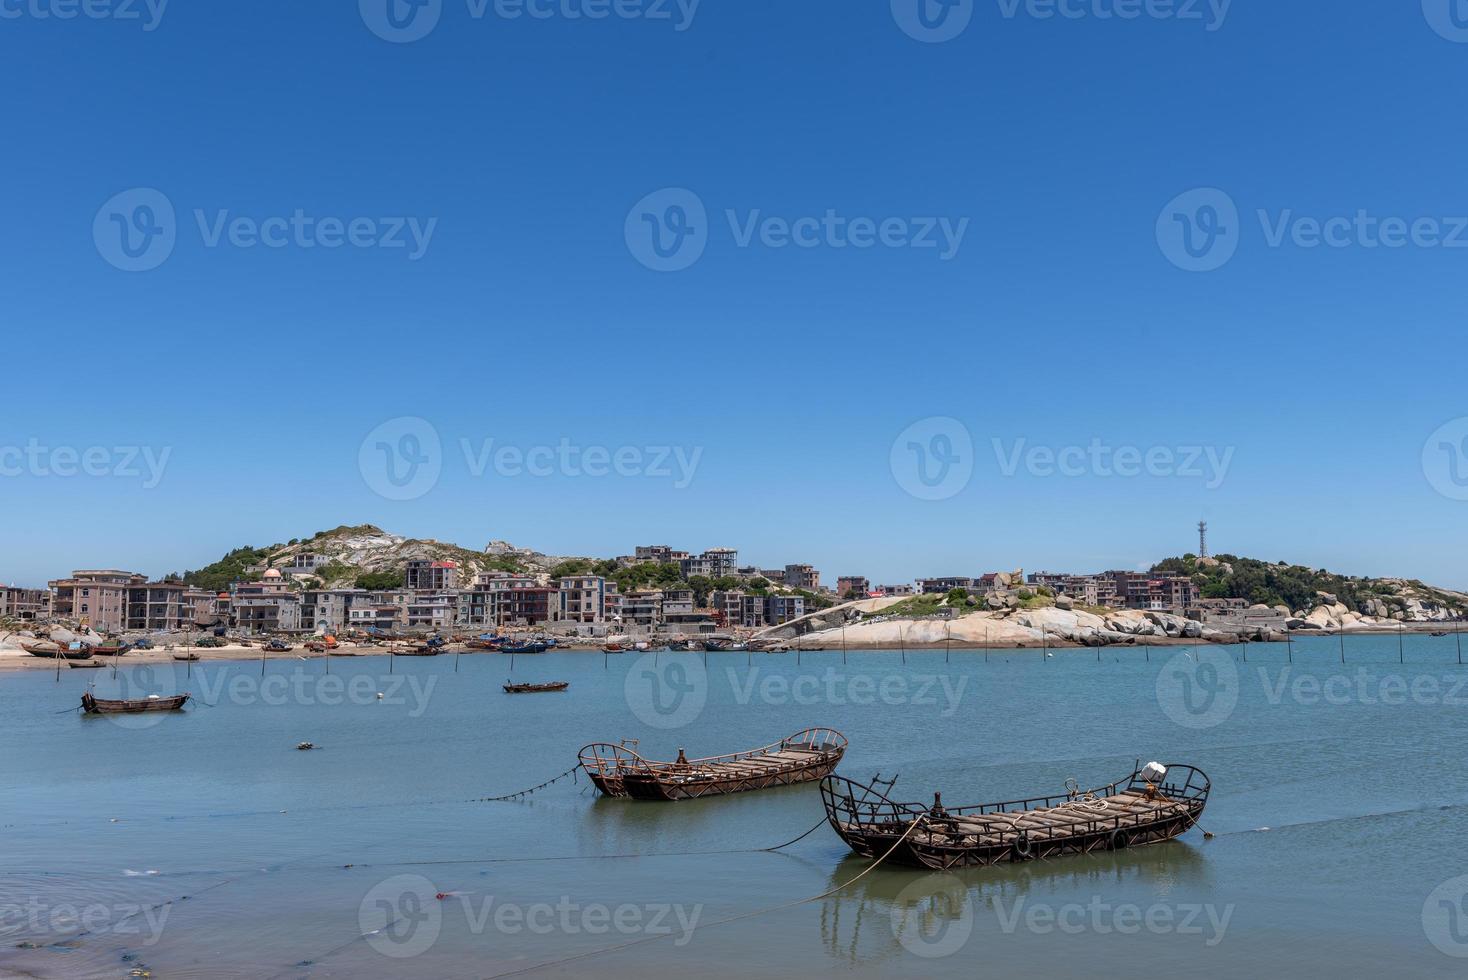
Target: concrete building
(326, 610)
(783, 608)
(581, 599)
(432, 611)
(155, 606)
(642, 608)
(898, 590)
(859, 584)
(94, 597)
(25, 605)
(939, 586)
(802, 577)
(431, 576)
(713, 563)
(266, 606)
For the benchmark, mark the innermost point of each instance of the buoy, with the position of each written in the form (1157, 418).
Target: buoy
(379, 695)
(304, 746)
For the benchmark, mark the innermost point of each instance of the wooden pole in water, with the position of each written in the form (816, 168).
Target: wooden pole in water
(1457, 635)
(902, 639)
(843, 643)
(1290, 647)
(1246, 649)
(1341, 633)
(986, 642)
(947, 640)
(1401, 652)
(1045, 638)
(262, 660)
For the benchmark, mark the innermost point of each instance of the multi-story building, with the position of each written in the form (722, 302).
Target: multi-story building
(155, 606)
(938, 586)
(728, 607)
(802, 577)
(677, 601)
(894, 590)
(783, 608)
(423, 575)
(25, 605)
(326, 610)
(266, 606)
(713, 563)
(526, 605)
(94, 597)
(642, 608)
(1145, 590)
(304, 564)
(847, 584)
(581, 599)
(432, 610)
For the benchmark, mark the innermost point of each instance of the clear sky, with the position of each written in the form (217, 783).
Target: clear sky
(1021, 223)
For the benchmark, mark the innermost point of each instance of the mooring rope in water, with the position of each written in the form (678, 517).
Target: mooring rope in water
(526, 792)
(921, 819)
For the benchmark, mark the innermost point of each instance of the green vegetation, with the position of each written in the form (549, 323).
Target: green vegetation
(380, 581)
(337, 571)
(230, 568)
(929, 605)
(1278, 584)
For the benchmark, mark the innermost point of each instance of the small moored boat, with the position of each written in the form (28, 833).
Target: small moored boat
(185, 656)
(536, 688)
(103, 706)
(618, 770)
(52, 652)
(1156, 803)
(535, 647)
(278, 646)
(85, 663)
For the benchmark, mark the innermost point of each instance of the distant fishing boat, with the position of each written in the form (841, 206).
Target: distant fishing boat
(185, 656)
(1440, 633)
(85, 663)
(618, 770)
(278, 646)
(536, 688)
(1156, 803)
(534, 647)
(36, 650)
(103, 706)
(614, 648)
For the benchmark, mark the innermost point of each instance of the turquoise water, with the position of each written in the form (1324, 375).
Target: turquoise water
(203, 843)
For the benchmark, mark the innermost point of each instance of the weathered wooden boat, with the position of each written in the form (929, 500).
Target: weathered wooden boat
(278, 646)
(535, 647)
(618, 770)
(485, 643)
(536, 688)
(1440, 633)
(103, 706)
(36, 650)
(1156, 803)
(111, 649)
(85, 663)
(185, 656)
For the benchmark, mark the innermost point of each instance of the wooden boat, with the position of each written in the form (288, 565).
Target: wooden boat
(185, 656)
(1156, 803)
(102, 706)
(484, 643)
(617, 770)
(36, 650)
(1440, 633)
(111, 650)
(535, 647)
(536, 688)
(85, 663)
(278, 646)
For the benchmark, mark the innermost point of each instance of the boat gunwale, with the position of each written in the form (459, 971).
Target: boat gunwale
(620, 760)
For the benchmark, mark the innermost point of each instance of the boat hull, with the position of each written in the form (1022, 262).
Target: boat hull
(1130, 813)
(617, 770)
(101, 706)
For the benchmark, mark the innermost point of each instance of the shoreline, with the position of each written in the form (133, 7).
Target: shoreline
(15, 659)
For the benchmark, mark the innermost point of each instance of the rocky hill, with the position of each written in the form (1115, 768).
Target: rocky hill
(366, 553)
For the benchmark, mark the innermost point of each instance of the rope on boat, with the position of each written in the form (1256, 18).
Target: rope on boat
(921, 819)
(526, 792)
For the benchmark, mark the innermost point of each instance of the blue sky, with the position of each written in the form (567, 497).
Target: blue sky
(530, 151)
